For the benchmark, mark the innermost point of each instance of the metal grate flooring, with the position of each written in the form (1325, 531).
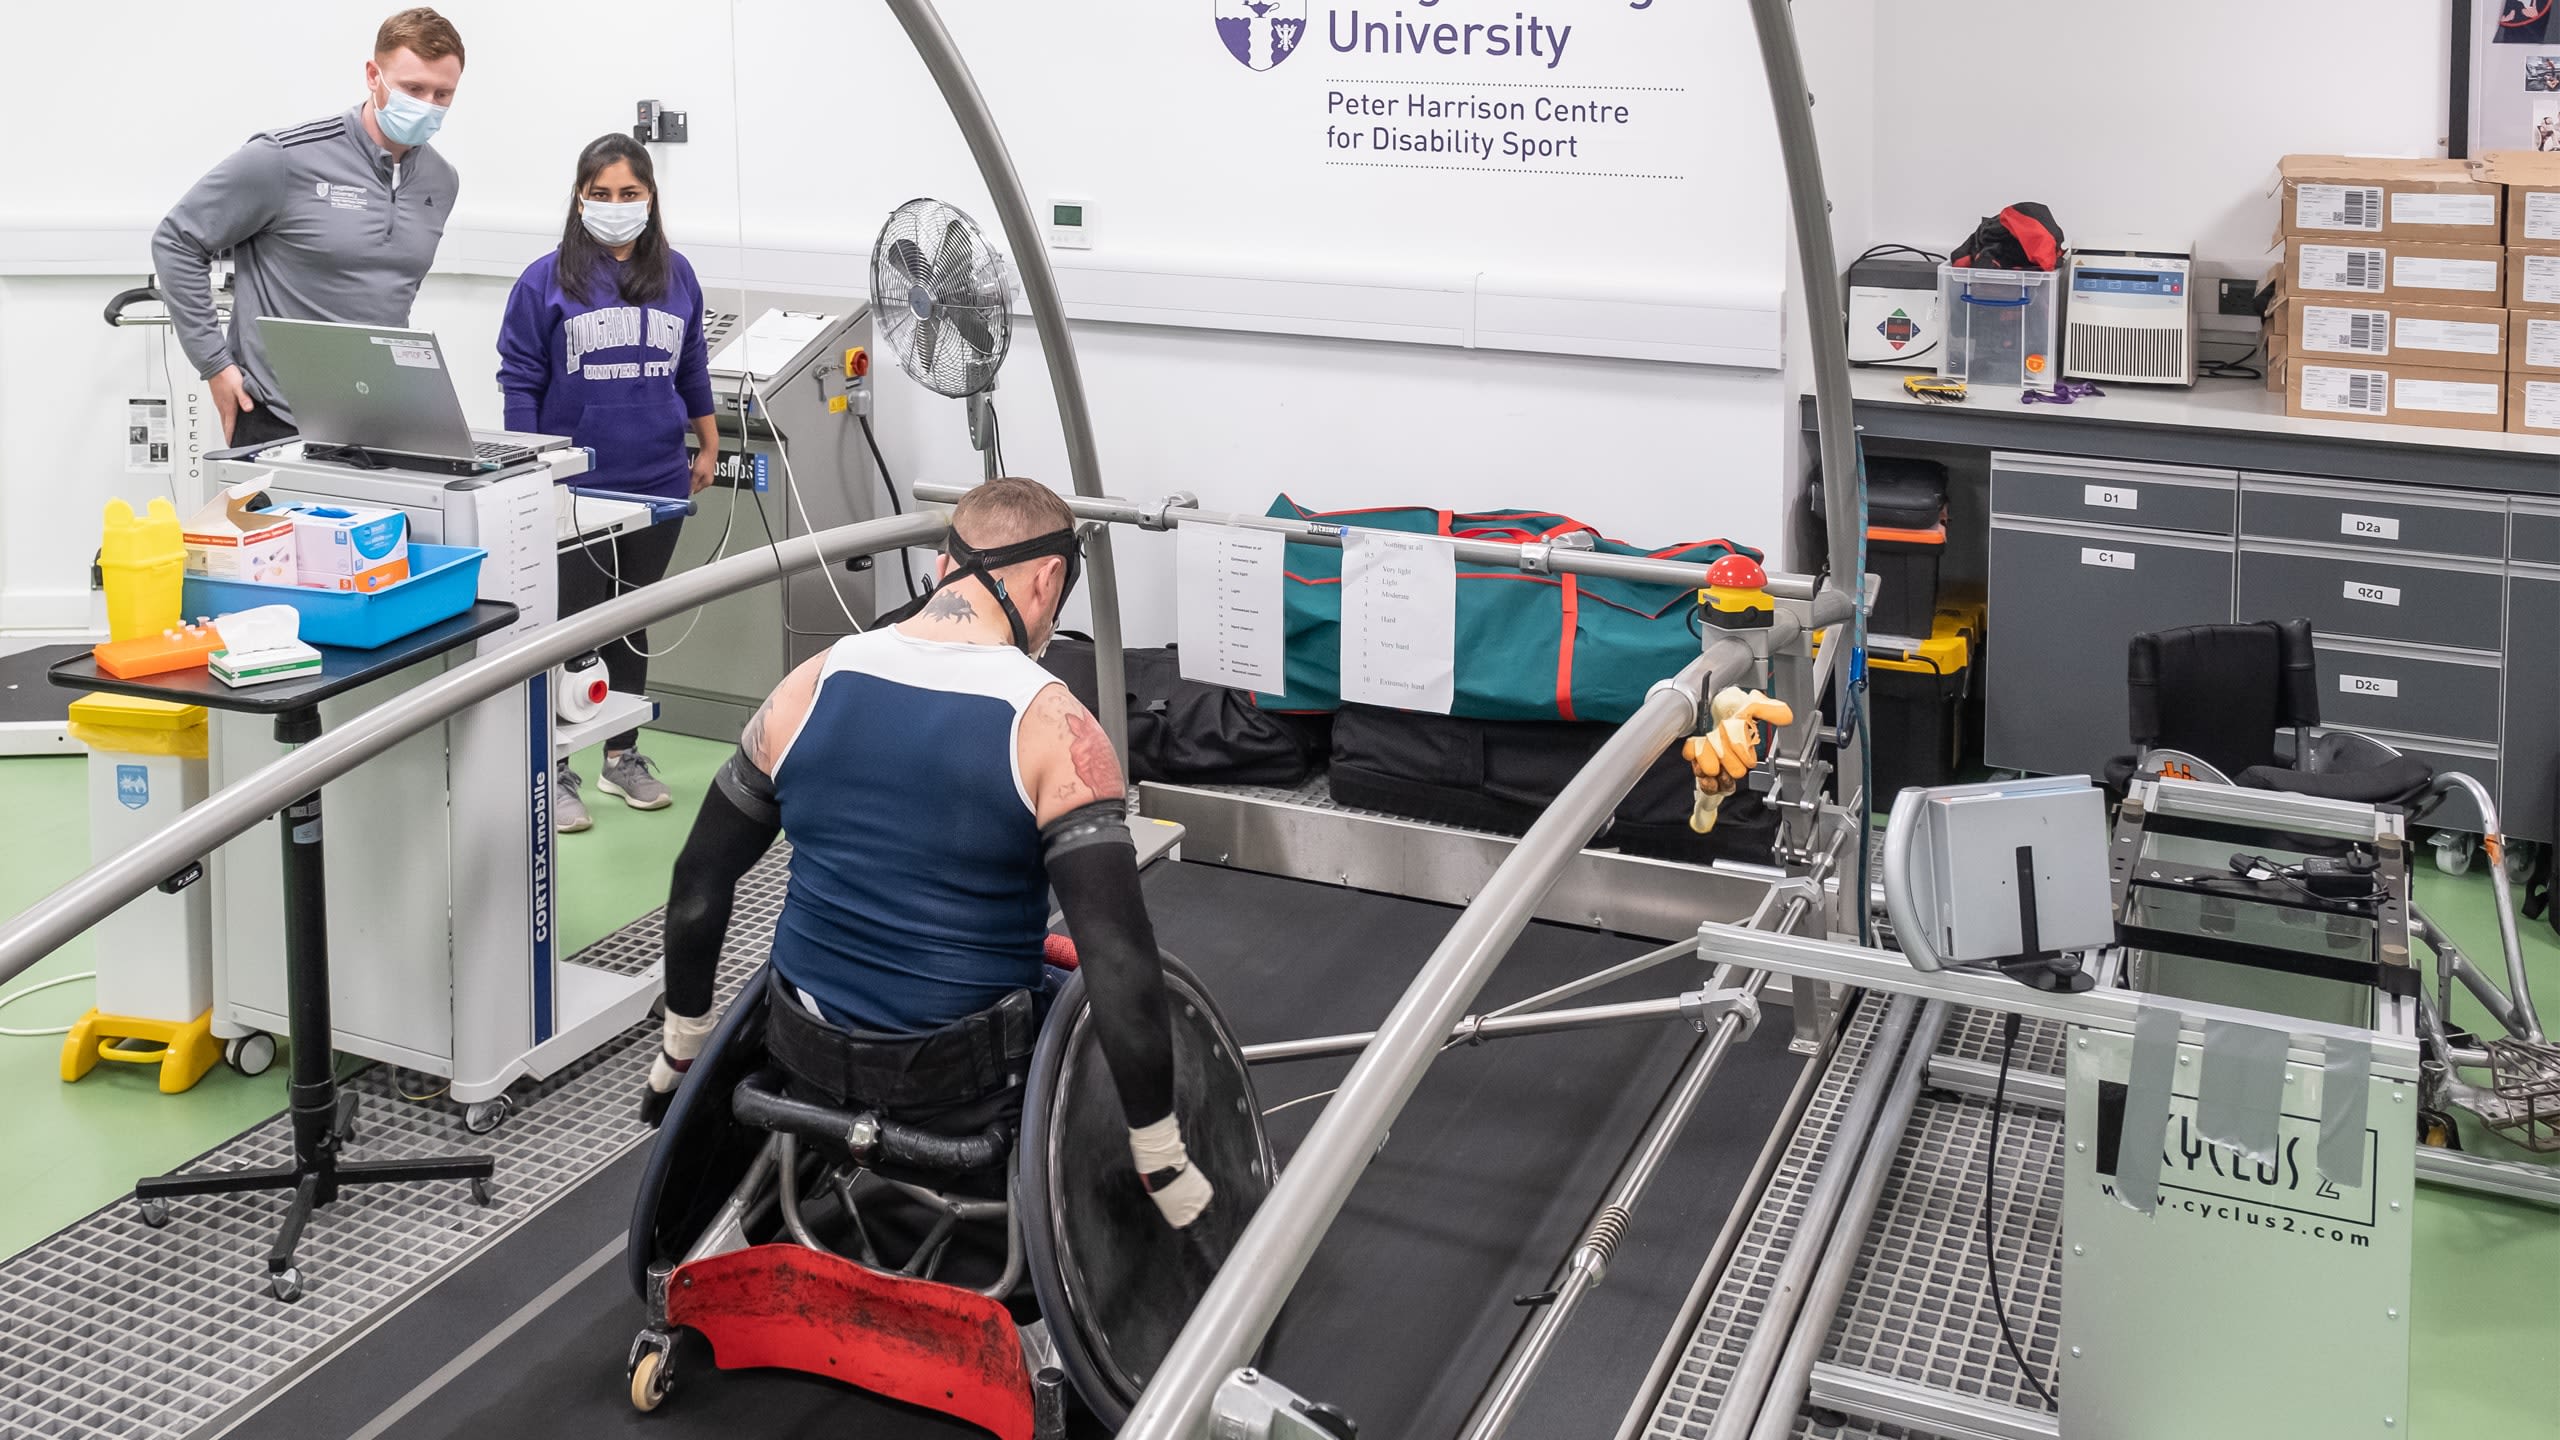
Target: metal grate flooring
(115, 1329)
(1917, 1307)
(1697, 1383)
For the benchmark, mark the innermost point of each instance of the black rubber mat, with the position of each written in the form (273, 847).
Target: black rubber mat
(1403, 1314)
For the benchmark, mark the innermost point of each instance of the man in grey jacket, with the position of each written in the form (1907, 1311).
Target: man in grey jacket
(334, 220)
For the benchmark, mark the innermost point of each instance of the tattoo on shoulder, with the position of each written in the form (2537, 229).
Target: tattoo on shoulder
(947, 603)
(751, 740)
(1089, 750)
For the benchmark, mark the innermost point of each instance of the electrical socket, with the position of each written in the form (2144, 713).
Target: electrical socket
(2235, 295)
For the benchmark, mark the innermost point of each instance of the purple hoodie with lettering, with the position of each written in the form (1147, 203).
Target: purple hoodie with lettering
(622, 379)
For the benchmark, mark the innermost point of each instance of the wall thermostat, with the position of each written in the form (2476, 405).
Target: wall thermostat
(1066, 225)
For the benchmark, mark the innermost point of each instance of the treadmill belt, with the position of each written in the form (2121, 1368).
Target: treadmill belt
(25, 694)
(1403, 1314)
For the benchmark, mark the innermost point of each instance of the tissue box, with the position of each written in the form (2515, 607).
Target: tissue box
(226, 540)
(356, 548)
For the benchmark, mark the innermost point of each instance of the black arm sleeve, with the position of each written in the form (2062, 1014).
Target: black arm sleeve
(1093, 867)
(735, 827)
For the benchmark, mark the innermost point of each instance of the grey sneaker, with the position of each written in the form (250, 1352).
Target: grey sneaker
(630, 776)
(568, 812)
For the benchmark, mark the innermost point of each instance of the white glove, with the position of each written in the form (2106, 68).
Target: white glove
(679, 1044)
(1177, 1186)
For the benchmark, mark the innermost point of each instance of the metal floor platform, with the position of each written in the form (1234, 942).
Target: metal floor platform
(1914, 1336)
(116, 1329)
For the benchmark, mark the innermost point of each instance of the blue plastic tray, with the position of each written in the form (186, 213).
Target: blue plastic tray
(443, 581)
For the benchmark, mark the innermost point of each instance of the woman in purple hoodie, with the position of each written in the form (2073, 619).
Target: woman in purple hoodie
(603, 343)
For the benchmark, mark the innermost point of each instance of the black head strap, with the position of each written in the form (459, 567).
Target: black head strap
(968, 560)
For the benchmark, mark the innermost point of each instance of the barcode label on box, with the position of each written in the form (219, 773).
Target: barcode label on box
(2447, 397)
(2373, 594)
(2542, 215)
(2541, 280)
(2423, 209)
(2336, 330)
(2111, 559)
(2542, 404)
(2381, 687)
(2113, 497)
(2329, 390)
(2467, 337)
(2337, 207)
(2341, 267)
(2420, 272)
(2541, 342)
(2369, 527)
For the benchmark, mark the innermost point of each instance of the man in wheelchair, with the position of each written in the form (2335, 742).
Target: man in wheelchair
(937, 786)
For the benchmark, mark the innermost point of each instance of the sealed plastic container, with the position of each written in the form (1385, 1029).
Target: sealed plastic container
(141, 560)
(2002, 326)
(443, 581)
(146, 768)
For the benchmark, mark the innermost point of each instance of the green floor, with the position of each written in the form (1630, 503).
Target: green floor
(2487, 1305)
(114, 1125)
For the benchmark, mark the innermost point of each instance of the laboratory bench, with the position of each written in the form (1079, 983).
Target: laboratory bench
(2427, 560)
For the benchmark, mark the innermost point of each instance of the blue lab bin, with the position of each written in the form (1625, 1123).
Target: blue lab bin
(443, 581)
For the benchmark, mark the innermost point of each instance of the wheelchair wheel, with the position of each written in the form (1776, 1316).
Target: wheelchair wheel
(700, 1154)
(1115, 1283)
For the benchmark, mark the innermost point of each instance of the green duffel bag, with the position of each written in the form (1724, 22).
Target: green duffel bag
(1529, 647)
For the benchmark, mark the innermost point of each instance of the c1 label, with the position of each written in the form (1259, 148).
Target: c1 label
(2112, 497)
(2369, 527)
(2372, 594)
(2111, 559)
(2378, 686)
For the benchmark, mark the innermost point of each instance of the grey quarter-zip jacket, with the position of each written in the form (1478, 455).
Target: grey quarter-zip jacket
(321, 224)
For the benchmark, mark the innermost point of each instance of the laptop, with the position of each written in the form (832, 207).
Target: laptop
(380, 396)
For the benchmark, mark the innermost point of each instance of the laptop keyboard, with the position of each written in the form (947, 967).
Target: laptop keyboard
(499, 450)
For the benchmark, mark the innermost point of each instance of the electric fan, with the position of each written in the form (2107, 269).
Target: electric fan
(938, 297)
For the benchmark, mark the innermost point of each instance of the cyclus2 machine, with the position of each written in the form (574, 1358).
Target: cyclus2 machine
(2130, 316)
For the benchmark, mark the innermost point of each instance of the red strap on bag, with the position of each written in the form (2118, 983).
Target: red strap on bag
(1564, 647)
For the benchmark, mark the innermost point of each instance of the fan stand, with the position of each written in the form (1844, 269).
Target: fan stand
(982, 428)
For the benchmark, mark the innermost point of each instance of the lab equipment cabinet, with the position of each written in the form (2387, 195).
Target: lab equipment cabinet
(2085, 555)
(2437, 611)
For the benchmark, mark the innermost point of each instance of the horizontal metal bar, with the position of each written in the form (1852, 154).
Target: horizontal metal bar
(1164, 514)
(98, 891)
(1980, 1079)
(2231, 805)
(1902, 1402)
(2394, 1057)
(1477, 1027)
(2455, 1170)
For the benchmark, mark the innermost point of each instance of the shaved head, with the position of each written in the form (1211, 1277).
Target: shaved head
(1007, 512)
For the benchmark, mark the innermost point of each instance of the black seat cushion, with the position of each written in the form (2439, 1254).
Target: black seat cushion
(2395, 781)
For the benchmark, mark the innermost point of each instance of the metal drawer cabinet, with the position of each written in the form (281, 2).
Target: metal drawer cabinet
(2417, 602)
(2371, 687)
(2533, 532)
(2065, 600)
(2530, 748)
(2373, 517)
(2101, 492)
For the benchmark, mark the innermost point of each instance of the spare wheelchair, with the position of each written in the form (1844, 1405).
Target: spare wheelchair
(845, 1221)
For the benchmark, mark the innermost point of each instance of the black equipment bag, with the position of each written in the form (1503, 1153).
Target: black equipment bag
(1185, 732)
(1501, 775)
(1902, 493)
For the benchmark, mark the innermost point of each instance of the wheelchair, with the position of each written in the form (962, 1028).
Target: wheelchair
(980, 1258)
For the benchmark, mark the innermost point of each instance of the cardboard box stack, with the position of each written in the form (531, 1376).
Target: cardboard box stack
(2392, 292)
(2531, 182)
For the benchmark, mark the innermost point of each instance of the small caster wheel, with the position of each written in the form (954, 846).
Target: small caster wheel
(154, 1213)
(285, 1284)
(482, 1116)
(2453, 852)
(649, 1381)
(250, 1054)
(2517, 856)
(480, 1192)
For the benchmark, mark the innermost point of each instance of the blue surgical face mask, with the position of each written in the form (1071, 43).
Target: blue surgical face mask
(405, 119)
(612, 222)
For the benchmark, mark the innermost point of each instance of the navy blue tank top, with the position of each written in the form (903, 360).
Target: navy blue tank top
(917, 892)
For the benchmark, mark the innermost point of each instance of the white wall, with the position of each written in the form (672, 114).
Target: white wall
(2164, 118)
(1188, 161)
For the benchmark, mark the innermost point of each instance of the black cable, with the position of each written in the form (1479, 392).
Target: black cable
(1991, 1250)
(2236, 369)
(890, 485)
